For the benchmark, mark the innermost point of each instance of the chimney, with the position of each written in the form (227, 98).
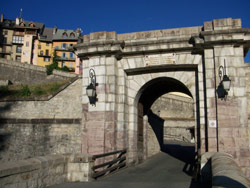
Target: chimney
(17, 21)
(55, 30)
(2, 15)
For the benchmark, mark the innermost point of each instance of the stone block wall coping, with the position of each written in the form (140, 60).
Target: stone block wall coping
(18, 167)
(229, 31)
(4, 82)
(222, 171)
(46, 170)
(78, 158)
(100, 43)
(35, 68)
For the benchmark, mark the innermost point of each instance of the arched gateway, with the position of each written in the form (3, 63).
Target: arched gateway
(134, 69)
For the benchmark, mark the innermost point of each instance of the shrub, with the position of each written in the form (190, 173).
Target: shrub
(49, 69)
(65, 68)
(25, 91)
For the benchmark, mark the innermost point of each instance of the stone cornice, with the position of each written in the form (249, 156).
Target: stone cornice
(208, 39)
(98, 45)
(97, 48)
(228, 31)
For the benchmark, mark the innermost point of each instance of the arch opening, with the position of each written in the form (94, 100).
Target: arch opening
(152, 120)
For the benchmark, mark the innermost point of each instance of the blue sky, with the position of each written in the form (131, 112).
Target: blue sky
(128, 15)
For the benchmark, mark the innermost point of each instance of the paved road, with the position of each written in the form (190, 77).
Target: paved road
(166, 169)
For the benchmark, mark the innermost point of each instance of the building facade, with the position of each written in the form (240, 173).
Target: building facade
(44, 48)
(63, 41)
(32, 43)
(6, 34)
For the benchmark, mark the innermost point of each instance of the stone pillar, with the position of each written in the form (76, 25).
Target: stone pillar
(223, 40)
(100, 51)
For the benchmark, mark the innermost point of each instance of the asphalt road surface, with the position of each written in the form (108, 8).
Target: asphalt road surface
(169, 169)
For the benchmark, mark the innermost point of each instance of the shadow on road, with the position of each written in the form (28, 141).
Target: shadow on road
(182, 151)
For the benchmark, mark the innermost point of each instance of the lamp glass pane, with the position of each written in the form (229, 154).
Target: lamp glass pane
(90, 92)
(226, 85)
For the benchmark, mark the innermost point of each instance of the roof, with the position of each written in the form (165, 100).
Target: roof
(47, 35)
(37, 24)
(9, 24)
(62, 34)
(27, 24)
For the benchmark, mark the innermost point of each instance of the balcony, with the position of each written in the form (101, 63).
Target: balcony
(65, 59)
(41, 54)
(6, 44)
(5, 52)
(62, 49)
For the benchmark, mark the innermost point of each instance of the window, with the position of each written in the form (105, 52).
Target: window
(63, 64)
(5, 32)
(64, 46)
(5, 40)
(39, 46)
(46, 59)
(22, 24)
(4, 49)
(47, 44)
(18, 58)
(31, 25)
(71, 55)
(57, 47)
(71, 65)
(41, 52)
(64, 55)
(27, 44)
(72, 35)
(18, 39)
(64, 35)
(19, 49)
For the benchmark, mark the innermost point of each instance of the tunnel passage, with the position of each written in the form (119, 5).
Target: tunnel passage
(149, 93)
(152, 90)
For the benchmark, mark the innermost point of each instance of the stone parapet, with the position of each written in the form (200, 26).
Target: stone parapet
(221, 170)
(23, 73)
(45, 171)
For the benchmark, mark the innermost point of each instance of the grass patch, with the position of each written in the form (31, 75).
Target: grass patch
(29, 91)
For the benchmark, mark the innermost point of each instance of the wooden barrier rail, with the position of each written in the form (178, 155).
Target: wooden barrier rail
(110, 166)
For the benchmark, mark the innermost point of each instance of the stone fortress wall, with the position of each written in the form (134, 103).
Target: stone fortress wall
(23, 73)
(178, 114)
(35, 128)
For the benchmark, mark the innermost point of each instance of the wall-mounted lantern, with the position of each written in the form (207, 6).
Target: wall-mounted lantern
(91, 89)
(225, 83)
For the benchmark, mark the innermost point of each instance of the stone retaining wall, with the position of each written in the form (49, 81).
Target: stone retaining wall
(23, 73)
(31, 128)
(177, 112)
(44, 171)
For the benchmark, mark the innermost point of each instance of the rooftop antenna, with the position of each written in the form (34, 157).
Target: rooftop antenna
(21, 13)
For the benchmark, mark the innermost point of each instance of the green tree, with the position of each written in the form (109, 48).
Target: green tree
(54, 65)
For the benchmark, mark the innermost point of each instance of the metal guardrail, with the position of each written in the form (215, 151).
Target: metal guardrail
(110, 166)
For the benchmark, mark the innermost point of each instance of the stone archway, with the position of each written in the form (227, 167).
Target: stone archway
(147, 95)
(125, 62)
